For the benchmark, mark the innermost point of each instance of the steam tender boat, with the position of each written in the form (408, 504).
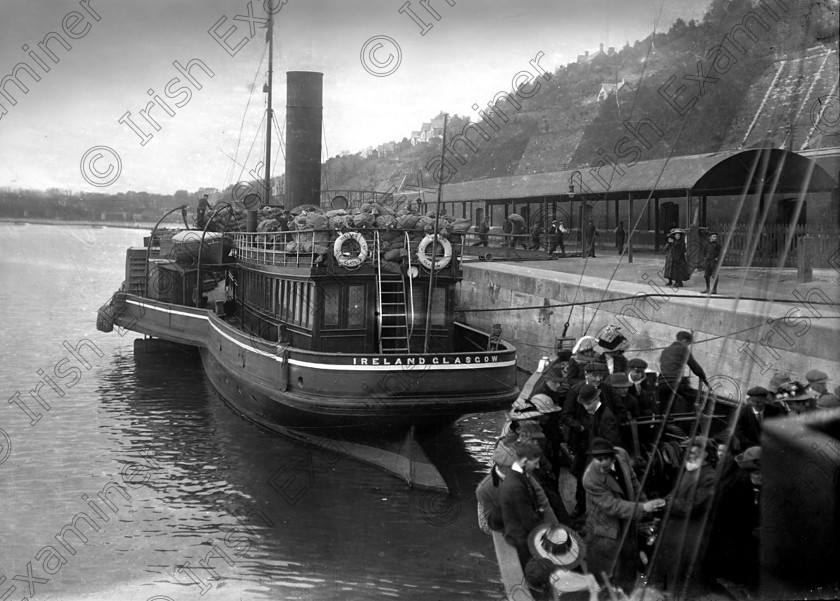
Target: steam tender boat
(314, 332)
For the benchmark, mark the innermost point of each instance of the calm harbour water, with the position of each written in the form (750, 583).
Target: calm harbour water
(177, 496)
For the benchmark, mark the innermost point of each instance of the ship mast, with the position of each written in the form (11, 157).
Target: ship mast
(269, 112)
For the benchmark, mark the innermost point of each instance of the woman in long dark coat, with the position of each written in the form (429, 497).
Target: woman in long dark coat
(676, 265)
(667, 271)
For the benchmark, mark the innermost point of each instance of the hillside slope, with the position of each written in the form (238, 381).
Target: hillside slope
(749, 70)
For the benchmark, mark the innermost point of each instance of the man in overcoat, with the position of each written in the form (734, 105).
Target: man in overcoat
(518, 499)
(711, 258)
(611, 490)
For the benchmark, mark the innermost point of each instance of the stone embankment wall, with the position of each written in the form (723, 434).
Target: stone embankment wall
(740, 344)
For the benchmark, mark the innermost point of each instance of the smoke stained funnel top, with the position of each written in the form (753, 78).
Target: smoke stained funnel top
(304, 116)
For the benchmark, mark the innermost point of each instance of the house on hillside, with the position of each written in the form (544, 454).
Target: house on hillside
(414, 140)
(609, 87)
(387, 148)
(598, 55)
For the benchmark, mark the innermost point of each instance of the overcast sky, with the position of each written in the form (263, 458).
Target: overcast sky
(121, 49)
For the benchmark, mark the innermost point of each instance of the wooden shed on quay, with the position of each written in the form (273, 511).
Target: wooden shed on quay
(769, 191)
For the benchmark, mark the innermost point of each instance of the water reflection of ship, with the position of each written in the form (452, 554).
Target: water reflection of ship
(169, 385)
(220, 467)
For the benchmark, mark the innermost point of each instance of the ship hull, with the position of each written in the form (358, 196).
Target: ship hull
(376, 408)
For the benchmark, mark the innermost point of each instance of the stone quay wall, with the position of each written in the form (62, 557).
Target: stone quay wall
(739, 343)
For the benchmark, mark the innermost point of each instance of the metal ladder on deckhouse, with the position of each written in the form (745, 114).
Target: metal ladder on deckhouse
(394, 332)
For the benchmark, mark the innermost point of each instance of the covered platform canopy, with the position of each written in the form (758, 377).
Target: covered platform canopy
(754, 171)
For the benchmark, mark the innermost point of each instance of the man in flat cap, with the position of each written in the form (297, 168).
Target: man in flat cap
(642, 385)
(611, 494)
(760, 406)
(818, 384)
(591, 417)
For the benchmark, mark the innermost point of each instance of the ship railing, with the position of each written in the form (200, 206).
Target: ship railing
(301, 248)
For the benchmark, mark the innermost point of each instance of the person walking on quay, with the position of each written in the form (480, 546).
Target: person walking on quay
(517, 230)
(711, 258)
(591, 235)
(556, 233)
(481, 230)
(620, 237)
(611, 491)
(676, 266)
(536, 233)
(682, 272)
(507, 227)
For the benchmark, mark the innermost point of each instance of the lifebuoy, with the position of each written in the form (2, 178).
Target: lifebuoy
(426, 261)
(345, 261)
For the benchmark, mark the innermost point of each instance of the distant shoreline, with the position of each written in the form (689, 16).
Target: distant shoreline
(41, 221)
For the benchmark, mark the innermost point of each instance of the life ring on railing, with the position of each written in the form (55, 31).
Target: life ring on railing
(426, 261)
(345, 261)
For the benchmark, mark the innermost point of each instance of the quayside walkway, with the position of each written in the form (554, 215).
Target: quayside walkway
(762, 321)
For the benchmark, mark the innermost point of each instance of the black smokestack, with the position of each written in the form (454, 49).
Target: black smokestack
(304, 107)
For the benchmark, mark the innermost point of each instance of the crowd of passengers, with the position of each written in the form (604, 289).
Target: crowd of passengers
(571, 431)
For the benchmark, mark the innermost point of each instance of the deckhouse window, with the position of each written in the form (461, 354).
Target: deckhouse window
(344, 306)
(331, 299)
(356, 307)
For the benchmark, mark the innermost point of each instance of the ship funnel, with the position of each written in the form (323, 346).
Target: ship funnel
(304, 108)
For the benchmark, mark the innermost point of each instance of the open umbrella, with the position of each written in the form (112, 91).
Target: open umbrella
(517, 217)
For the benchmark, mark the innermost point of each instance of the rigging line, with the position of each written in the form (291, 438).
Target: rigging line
(794, 221)
(641, 212)
(632, 109)
(625, 531)
(253, 143)
(327, 149)
(280, 137)
(705, 427)
(280, 150)
(244, 114)
(695, 343)
(645, 62)
(643, 295)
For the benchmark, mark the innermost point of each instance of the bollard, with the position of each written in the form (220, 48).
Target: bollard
(805, 259)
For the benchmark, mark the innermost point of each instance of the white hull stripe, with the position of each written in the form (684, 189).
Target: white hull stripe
(335, 366)
(400, 368)
(247, 347)
(162, 310)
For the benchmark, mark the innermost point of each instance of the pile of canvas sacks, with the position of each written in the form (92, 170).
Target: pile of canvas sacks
(315, 231)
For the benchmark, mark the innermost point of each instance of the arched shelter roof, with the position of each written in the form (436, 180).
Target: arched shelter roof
(712, 174)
